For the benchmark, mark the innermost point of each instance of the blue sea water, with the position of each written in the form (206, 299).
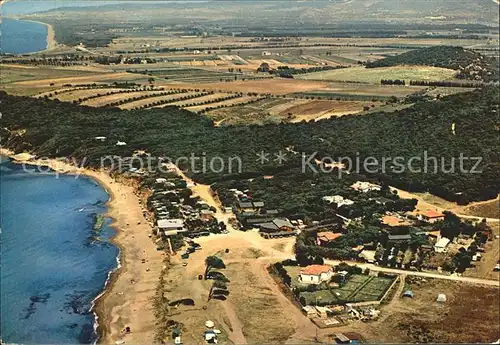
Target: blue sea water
(21, 37)
(52, 267)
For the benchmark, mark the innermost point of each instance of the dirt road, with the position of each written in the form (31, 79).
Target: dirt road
(425, 205)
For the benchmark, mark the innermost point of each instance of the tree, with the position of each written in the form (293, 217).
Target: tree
(213, 262)
(216, 288)
(318, 260)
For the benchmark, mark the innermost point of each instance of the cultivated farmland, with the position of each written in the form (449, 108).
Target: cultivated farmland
(374, 75)
(152, 100)
(223, 104)
(120, 97)
(359, 288)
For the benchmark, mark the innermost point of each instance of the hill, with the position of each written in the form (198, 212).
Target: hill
(437, 133)
(470, 64)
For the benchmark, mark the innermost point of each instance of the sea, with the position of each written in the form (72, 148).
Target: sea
(22, 37)
(53, 263)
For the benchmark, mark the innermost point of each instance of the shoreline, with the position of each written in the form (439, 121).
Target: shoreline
(125, 299)
(51, 36)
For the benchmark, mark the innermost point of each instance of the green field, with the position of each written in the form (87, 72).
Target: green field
(374, 75)
(359, 288)
(16, 74)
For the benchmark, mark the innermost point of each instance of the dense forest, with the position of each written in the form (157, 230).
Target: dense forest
(464, 124)
(299, 195)
(470, 64)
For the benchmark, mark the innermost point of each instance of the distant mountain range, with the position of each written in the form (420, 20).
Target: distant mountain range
(319, 11)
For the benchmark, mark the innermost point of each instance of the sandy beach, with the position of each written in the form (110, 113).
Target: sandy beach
(127, 299)
(51, 35)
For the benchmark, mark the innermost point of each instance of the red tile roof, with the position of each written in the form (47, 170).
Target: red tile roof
(431, 214)
(394, 221)
(328, 236)
(315, 269)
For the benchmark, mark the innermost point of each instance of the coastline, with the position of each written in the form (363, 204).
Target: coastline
(51, 36)
(126, 297)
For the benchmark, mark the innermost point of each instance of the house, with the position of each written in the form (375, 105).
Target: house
(245, 206)
(277, 224)
(342, 339)
(342, 276)
(430, 216)
(399, 238)
(426, 248)
(440, 246)
(365, 187)
(310, 311)
(326, 237)
(339, 200)
(316, 274)
(394, 221)
(258, 205)
(275, 212)
(171, 224)
(254, 220)
(161, 180)
(434, 235)
(206, 215)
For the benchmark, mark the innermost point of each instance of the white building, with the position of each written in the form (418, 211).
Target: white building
(440, 246)
(171, 226)
(316, 274)
(338, 199)
(364, 187)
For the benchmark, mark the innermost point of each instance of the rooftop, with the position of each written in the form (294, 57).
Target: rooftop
(282, 222)
(170, 223)
(432, 214)
(328, 236)
(315, 269)
(399, 237)
(394, 221)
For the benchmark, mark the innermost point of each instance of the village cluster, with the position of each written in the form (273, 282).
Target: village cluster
(330, 294)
